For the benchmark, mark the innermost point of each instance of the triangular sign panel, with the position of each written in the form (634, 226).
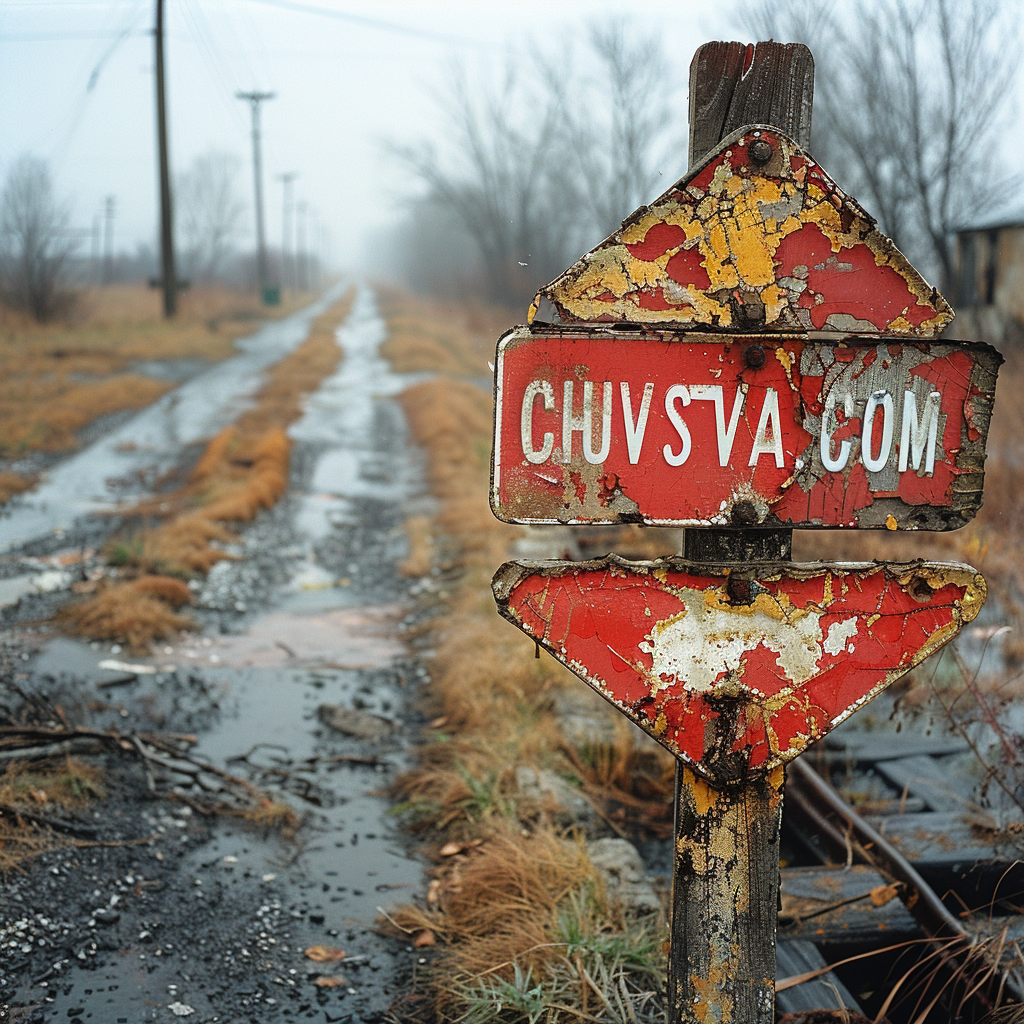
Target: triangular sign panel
(756, 238)
(736, 676)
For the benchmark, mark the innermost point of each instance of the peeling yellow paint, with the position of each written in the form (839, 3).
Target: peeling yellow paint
(704, 797)
(736, 228)
(890, 522)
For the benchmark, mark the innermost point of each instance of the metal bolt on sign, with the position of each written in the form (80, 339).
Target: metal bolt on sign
(746, 355)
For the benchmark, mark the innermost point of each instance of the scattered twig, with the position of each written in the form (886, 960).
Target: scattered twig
(57, 824)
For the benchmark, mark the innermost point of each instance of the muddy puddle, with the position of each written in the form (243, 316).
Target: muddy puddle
(300, 682)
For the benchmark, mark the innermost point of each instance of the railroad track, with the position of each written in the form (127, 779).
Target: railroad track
(918, 889)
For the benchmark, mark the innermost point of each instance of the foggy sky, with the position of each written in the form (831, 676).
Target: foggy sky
(77, 80)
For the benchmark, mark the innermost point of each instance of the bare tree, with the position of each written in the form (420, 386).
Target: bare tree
(209, 213)
(616, 125)
(909, 97)
(544, 162)
(35, 240)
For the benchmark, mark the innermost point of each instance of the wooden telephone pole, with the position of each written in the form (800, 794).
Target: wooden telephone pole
(169, 277)
(255, 99)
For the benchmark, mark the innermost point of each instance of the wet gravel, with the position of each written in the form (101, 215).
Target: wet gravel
(165, 913)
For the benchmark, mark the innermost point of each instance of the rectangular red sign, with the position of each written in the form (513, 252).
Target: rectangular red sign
(691, 429)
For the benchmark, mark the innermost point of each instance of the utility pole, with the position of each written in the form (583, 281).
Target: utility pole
(255, 99)
(108, 241)
(97, 270)
(169, 276)
(287, 261)
(301, 245)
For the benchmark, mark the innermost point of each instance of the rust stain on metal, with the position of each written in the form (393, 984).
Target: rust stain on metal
(597, 425)
(743, 243)
(736, 688)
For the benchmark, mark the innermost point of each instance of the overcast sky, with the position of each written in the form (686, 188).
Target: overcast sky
(77, 82)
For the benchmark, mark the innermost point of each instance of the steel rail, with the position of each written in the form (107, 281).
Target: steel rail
(816, 800)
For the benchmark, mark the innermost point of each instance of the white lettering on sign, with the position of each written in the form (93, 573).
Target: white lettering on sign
(918, 433)
(912, 438)
(726, 434)
(838, 464)
(635, 432)
(768, 438)
(533, 389)
(585, 423)
(678, 392)
(873, 463)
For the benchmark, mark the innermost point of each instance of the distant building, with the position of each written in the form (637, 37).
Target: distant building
(989, 295)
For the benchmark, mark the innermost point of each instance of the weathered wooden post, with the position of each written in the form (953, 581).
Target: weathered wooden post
(746, 355)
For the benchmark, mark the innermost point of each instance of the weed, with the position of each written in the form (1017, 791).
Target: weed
(496, 999)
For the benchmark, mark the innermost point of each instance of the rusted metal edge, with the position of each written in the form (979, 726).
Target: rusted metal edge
(967, 488)
(816, 799)
(933, 575)
(737, 231)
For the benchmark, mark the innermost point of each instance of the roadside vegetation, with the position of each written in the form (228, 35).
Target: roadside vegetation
(183, 531)
(529, 929)
(58, 376)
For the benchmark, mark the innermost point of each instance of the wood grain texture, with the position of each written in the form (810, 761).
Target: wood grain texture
(736, 84)
(724, 895)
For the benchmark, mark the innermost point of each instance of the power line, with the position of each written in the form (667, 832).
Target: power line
(368, 22)
(34, 37)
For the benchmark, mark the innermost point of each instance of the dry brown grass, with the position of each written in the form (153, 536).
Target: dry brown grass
(242, 470)
(453, 338)
(501, 908)
(269, 815)
(35, 789)
(133, 612)
(55, 378)
(420, 558)
(14, 483)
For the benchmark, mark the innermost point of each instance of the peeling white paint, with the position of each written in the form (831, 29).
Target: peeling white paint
(697, 646)
(838, 634)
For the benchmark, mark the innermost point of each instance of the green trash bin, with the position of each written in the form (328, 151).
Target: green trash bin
(271, 295)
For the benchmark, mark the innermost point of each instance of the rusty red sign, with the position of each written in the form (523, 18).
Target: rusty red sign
(737, 676)
(602, 425)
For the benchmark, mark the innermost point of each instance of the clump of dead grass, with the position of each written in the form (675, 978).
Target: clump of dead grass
(242, 470)
(526, 917)
(133, 612)
(28, 792)
(420, 559)
(269, 815)
(14, 483)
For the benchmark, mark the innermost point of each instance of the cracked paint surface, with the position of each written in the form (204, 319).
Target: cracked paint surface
(736, 244)
(601, 425)
(737, 688)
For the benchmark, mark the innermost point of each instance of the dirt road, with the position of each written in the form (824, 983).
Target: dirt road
(299, 680)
